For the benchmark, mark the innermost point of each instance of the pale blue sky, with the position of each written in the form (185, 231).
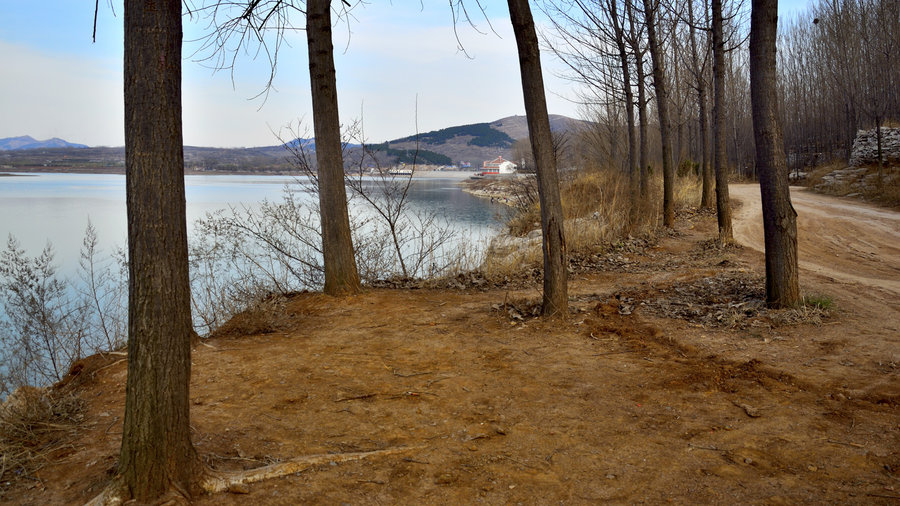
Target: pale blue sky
(401, 56)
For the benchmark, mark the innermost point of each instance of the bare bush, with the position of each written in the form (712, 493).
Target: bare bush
(104, 289)
(44, 327)
(422, 244)
(47, 321)
(241, 255)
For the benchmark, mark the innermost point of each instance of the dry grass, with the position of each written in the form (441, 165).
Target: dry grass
(599, 213)
(35, 424)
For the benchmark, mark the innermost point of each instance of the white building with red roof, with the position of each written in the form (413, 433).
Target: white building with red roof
(498, 166)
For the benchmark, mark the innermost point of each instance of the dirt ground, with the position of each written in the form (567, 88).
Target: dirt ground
(669, 382)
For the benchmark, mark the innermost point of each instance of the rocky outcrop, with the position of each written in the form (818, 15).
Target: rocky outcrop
(862, 176)
(865, 147)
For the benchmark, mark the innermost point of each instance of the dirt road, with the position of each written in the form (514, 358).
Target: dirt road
(840, 239)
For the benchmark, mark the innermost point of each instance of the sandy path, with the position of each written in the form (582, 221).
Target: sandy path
(846, 241)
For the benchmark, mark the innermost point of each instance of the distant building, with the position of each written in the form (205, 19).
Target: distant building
(498, 166)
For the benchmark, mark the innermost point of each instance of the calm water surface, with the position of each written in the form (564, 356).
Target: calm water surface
(37, 208)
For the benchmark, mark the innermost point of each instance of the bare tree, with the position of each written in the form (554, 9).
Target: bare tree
(157, 456)
(698, 67)
(723, 206)
(244, 23)
(618, 25)
(592, 42)
(635, 40)
(555, 299)
(779, 217)
(341, 276)
(654, 44)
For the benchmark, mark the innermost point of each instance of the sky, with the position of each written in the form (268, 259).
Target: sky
(399, 70)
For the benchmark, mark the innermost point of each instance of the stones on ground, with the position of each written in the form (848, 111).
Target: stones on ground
(238, 488)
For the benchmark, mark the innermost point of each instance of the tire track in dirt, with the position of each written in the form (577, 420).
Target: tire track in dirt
(846, 241)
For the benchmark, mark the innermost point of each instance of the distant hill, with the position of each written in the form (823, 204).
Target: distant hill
(477, 134)
(29, 142)
(477, 142)
(517, 126)
(471, 143)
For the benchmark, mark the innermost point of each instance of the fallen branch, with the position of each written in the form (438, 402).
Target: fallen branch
(855, 445)
(220, 482)
(711, 448)
(355, 397)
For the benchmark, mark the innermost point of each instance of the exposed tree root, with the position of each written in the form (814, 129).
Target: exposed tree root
(116, 493)
(220, 482)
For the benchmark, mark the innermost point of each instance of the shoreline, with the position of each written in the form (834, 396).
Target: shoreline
(499, 190)
(27, 171)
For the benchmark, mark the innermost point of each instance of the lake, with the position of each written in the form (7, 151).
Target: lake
(37, 208)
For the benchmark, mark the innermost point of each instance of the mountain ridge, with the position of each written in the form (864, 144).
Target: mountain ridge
(29, 142)
(471, 143)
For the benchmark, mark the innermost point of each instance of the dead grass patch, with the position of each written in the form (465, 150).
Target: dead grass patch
(35, 427)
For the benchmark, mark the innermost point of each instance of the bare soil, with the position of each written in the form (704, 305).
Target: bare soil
(668, 382)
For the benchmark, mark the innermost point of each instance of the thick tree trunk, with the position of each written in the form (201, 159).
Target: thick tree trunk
(723, 206)
(662, 109)
(556, 298)
(341, 276)
(156, 454)
(779, 217)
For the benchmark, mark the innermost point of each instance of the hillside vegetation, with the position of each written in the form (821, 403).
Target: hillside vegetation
(477, 134)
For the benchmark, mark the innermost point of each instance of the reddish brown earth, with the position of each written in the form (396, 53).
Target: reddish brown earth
(680, 389)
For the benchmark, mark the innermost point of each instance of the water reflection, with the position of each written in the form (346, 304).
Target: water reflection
(37, 208)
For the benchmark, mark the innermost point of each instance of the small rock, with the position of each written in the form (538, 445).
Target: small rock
(238, 488)
(444, 479)
(812, 468)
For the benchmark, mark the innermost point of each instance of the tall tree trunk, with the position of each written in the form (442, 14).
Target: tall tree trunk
(706, 176)
(341, 276)
(555, 302)
(707, 199)
(643, 146)
(662, 108)
(156, 453)
(779, 217)
(643, 150)
(633, 170)
(723, 206)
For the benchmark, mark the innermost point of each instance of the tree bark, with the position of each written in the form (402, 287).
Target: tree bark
(662, 109)
(633, 170)
(341, 275)
(634, 40)
(156, 454)
(723, 206)
(555, 300)
(779, 217)
(706, 175)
